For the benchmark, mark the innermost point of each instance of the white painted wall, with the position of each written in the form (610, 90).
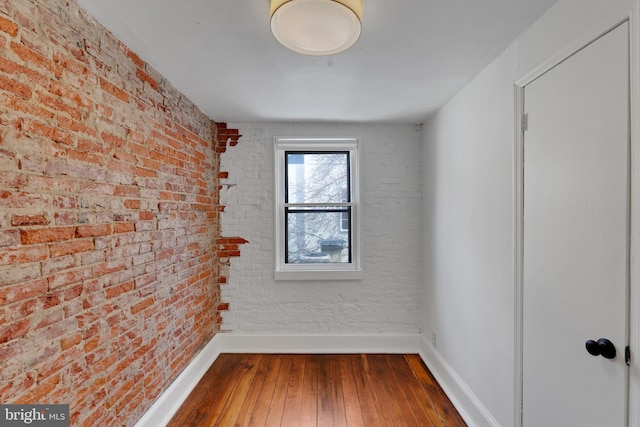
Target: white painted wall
(468, 226)
(468, 161)
(387, 300)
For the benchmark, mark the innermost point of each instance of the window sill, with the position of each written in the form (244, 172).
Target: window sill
(318, 275)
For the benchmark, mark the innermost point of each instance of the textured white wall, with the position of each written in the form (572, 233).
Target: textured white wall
(387, 299)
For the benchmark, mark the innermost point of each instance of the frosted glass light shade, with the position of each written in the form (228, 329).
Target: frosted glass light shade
(316, 27)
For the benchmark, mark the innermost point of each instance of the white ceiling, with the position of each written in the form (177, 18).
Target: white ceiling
(412, 57)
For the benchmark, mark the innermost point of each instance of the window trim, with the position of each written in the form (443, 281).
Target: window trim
(329, 271)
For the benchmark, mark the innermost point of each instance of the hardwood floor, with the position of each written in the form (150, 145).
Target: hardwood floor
(317, 390)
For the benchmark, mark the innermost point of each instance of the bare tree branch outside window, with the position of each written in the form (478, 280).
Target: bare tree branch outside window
(318, 207)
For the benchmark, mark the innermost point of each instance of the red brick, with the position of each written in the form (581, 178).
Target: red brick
(112, 140)
(46, 235)
(8, 27)
(22, 291)
(11, 67)
(93, 230)
(135, 58)
(20, 220)
(136, 308)
(26, 107)
(105, 363)
(14, 330)
(22, 309)
(108, 268)
(115, 291)
(124, 156)
(69, 94)
(91, 146)
(72, 247)
(32, 57)
(40, 392)
(123, 227)
(147, 78)
(204, 200)
(81, 156)
(152, 165)
(71, 293)
(50, 300)
(127, 190)
(11, 180)
(55, 104)
(67, 278)
(132, 204)
(21, 199)
(63, 359)
(18, 89)
(47, 131)
(24, 255)
(70, 341)
(91, 342)
(126, 386)
(76, 126)
(113, 90)
(94, 419)
(71, 64)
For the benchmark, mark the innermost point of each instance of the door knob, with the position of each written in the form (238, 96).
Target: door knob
(603, 347)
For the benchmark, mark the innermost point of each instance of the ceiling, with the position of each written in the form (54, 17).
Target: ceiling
(412, 56)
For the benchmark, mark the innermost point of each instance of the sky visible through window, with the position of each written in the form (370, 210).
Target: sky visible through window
(318, 196)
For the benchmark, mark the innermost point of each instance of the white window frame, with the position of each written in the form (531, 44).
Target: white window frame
(317, 271)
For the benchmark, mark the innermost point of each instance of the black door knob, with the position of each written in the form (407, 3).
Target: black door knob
(603, 347)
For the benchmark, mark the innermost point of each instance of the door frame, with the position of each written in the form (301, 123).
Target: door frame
(607, 23)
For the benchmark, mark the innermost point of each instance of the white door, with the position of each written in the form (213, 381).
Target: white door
(576, 216)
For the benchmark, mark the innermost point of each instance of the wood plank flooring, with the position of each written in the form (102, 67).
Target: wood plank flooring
(317, 390)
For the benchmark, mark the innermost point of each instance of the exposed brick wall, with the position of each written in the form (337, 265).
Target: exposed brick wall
(109, 219)
(226, 247)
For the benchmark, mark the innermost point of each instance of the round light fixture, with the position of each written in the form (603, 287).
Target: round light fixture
(316, 27)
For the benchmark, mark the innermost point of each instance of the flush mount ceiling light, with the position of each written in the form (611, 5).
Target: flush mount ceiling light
(316, 27)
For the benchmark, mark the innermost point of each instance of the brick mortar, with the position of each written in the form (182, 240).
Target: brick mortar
(109, 223)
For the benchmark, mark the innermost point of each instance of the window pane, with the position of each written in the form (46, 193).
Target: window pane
(317, 236)
(317, 177)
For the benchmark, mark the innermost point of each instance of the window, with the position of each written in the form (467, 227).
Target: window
(317, 209)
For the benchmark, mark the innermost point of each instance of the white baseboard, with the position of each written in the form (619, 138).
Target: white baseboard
(318, 344)
(170, 400)
(468, 405)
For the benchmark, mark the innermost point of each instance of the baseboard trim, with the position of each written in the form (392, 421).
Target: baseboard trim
(319, 344)
(170, 400)
(471, 409)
